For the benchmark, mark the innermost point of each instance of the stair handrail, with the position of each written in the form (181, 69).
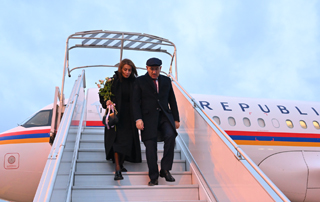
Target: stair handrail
(50, 171)
(241, 155)
(75, 154)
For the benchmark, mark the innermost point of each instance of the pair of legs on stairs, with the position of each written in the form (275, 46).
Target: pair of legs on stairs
(169, 136)
(119, 160)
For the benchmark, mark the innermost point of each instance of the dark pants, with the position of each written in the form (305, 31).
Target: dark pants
(169, 136)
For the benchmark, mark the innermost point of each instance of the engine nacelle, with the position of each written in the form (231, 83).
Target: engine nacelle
(295, 173)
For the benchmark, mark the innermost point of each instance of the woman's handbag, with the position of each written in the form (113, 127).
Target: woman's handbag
(110, 119)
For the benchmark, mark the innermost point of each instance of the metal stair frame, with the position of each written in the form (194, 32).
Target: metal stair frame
(73, 115)
(270, 188)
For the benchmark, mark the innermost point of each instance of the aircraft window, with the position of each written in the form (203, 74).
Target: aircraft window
(246, 122)
(275, 123)
(316, 125)
(261, 122)
(303, 124)
(216, 119)
(42, 118)
(232, 121)
(289, 123)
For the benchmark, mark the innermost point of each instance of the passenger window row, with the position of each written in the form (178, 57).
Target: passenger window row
(262, 124)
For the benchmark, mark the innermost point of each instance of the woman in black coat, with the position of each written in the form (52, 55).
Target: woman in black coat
(122, 141)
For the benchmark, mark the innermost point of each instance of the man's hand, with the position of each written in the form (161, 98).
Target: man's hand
(177, 124)
(139, 124)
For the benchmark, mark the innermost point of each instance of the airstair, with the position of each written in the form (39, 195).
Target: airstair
(93, 179)
(208, 165)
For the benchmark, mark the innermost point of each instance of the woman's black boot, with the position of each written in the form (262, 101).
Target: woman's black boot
(118, 175)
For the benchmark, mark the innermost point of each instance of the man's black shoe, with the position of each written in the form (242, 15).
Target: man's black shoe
(166, 174)
(153, 182)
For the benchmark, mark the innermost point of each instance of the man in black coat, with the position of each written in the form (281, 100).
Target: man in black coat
(155, 109)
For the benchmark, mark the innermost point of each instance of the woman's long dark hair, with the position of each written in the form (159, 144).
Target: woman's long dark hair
(131, 64)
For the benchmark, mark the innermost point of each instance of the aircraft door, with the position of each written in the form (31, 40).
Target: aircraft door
(56, 115)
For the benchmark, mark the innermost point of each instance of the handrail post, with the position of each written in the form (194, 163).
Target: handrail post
(61, 107)
(54, 123)
(121, 50)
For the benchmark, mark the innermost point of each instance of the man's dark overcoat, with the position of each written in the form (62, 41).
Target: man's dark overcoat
(147, 104)
(110, 135)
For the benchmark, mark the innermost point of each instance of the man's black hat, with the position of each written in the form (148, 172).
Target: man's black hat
(154, 62)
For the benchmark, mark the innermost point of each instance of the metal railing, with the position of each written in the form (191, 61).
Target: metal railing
(75, 155)
(49, 174)
(240, 154)
(116, 40)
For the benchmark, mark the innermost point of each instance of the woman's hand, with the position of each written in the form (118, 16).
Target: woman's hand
(109, 102)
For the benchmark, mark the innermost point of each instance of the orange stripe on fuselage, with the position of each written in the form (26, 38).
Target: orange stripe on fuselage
(21, 141)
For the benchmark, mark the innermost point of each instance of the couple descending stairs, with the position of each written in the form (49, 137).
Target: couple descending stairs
(94, 176)
(208, 164)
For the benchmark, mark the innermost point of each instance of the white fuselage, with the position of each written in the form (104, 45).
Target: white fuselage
(282, 137)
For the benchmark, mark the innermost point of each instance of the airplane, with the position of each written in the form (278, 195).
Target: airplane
(24, 150)
(282, 137)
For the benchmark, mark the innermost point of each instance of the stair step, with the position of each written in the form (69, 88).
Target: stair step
(84, 144)
(92, 130)
(135, 193)
(71, 137)
(70, 144)
(73, 129)
(99, 154)
(67, 155)
(93, 180)
(130, 178)
(88, 143)
(61, 181)
(178, 165)
(92, 136)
